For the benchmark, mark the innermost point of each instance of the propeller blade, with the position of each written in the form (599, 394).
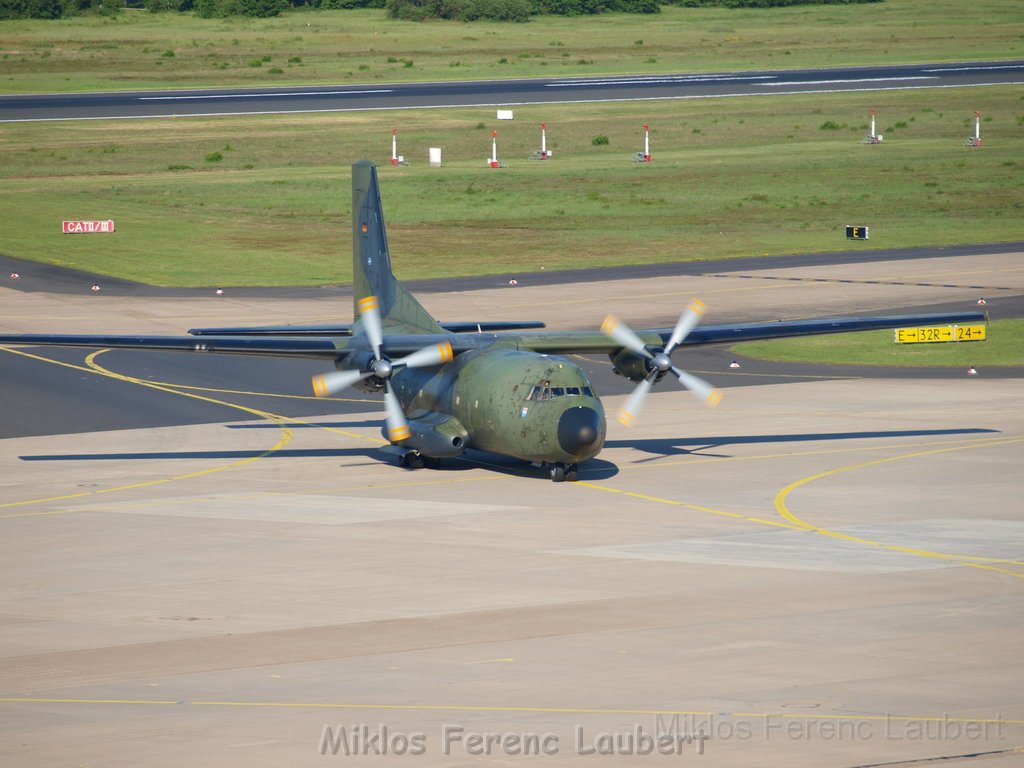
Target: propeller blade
(369, 311)
(618, 331)
(326, 384)
(435, 354)
(687, 321)
(700, 388)
(635, 403)
(398, 427)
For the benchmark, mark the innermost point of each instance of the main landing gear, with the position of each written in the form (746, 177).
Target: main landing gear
(416, 460)
(563, 472)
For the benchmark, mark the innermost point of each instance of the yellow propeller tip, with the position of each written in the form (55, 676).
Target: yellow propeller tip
(626, 418)
(319, 386)
(370, 302)
(399, 434)
(609, 324)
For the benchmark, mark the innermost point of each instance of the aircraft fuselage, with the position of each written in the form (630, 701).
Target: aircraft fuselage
(514, 403)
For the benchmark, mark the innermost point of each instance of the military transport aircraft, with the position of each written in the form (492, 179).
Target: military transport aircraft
(448, 387)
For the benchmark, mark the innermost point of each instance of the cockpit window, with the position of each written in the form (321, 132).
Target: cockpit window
(541, 392)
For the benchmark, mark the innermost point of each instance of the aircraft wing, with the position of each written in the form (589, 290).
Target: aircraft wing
(546, 342)
(232, 345)
(594, 341)
(346, 329)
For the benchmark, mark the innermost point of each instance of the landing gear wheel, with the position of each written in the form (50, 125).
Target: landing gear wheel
(570, 473)
(557, 472)
(412, 460)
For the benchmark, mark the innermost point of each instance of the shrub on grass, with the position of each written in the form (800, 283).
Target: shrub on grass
(214, 157)
(462, 10)
(599, 141)
(219, 9)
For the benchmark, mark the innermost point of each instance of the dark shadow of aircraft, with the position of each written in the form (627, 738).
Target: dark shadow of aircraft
(681, 446)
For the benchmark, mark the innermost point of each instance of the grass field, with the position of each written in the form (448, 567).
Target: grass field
(139, 49)
(1004, 346)
(730, 177)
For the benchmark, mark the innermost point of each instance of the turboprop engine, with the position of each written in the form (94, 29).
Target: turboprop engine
(631, 365)
(436, 435)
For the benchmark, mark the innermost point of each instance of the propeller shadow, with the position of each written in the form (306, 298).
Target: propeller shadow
(681, 446)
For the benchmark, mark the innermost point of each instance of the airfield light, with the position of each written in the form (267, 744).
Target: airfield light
(543, 154)
(493, 162)
(396, 159)
(872, 137)
(975, 140)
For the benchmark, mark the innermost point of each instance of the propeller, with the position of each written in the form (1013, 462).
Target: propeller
(660, 362)
(383, 368)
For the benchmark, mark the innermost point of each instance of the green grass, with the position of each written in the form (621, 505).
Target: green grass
(139, 49)
(1004, 346)
(759, 178)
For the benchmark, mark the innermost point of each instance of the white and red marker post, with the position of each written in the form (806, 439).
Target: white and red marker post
(872, 137)
(544, 154)
(645, 156)
(396, 159)
(975, 140)
(493, 162)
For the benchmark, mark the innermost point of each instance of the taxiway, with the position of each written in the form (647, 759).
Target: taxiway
(824, 572)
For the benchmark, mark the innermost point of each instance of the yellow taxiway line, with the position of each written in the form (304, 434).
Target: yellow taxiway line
(521, 710)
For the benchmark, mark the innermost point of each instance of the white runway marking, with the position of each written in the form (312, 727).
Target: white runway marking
(262, 95)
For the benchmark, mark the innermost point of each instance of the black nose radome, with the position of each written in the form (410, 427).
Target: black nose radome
(578, 429)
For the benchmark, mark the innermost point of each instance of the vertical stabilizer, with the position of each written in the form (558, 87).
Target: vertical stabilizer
(371, 261)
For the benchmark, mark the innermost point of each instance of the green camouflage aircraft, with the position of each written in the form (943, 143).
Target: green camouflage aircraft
(449, 387)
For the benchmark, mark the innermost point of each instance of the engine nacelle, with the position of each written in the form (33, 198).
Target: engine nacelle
(629, 364)
(435, 434)
(360, 360)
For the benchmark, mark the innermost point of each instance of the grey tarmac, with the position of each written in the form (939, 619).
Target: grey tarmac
(826, 570)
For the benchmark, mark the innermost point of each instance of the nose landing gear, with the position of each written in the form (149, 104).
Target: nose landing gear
(563, 472)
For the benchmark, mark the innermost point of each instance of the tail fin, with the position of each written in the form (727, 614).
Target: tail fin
(371, 262)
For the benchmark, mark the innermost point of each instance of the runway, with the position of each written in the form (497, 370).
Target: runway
(295, 99)
(822, 572)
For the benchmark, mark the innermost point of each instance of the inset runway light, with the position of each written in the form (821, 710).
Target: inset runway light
(972, 371)
(95, 287)
(982, 300)
(219, 291)
(15, 276)
(513, 281)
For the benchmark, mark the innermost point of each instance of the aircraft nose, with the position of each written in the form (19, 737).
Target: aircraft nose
(578, 429)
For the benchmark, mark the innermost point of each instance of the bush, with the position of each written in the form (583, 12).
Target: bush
(214, 157)
(762, 3)
(158, 6)
(599, 141)
(218, 9)
(31, 9)
(462, 10)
